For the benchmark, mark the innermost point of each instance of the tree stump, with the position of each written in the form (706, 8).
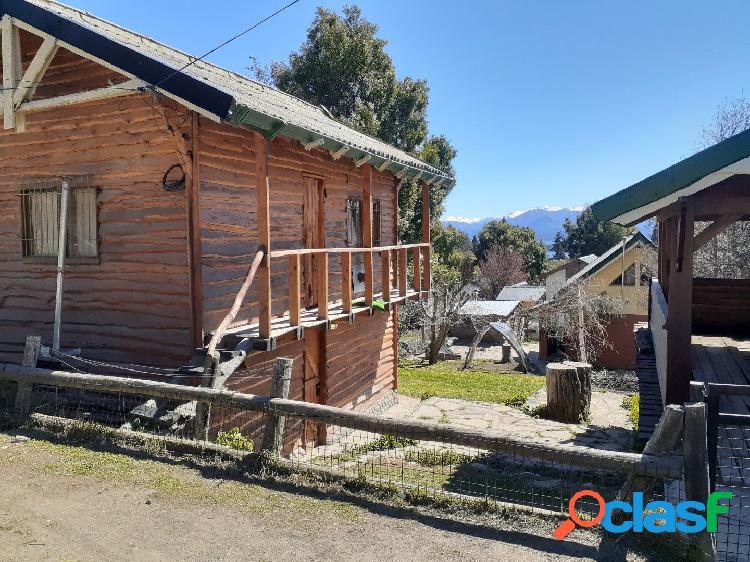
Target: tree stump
(506, 353)
(569, 391)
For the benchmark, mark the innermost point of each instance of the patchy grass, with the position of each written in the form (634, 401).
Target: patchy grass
(416, 378)
(177, 482)
(632, 403)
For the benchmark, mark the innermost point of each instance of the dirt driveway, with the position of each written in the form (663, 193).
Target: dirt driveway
(70, 503)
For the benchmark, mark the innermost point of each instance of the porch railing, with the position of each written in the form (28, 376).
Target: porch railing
(393, 271)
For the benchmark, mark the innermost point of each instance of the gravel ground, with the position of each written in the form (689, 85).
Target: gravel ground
(624, 381)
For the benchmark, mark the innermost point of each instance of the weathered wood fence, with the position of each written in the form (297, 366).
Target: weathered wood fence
(665, 466)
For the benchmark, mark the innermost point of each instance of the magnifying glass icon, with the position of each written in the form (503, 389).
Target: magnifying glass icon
(573, 519)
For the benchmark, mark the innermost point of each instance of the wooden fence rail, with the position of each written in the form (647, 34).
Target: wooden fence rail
(654, 466)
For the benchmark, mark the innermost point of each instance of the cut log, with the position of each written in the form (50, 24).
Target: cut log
(506, 354)
(569, 391)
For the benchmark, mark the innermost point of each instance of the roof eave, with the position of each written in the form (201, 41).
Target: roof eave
(240, 115)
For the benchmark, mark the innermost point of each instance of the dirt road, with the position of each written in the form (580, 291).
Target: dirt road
(70, 503)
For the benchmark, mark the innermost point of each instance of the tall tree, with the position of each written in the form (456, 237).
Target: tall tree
(520, 239)
(591, 236)
(343, 66)
(728, 254)
(500, 267)
(558, 247)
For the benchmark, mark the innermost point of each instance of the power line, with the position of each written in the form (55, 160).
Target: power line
(248, 30)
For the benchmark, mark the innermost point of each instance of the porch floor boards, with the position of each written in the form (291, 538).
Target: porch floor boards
(280, 325)
(723, 359)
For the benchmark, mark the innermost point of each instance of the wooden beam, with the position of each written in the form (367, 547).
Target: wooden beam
(263, 213)
(367, 230)
(385, 273)
(346, 282)
(192, 198)
(294, 289)
(402, 271)
(321, 284)
(124, 89)
(35, 72)
(6, 30)
(426, 236)
(416, 254)
(722, 206)
(680, 319)
(713, 230)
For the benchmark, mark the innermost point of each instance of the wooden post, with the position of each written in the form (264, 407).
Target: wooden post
(695, 467)
(294, 290)
(415, 256)
(192, 200)
(426, 236)
(321, 273)
(402, 271)
(680, 319)
(346, 282)
(367, 230)
(273, 433)
(506, 353)
(262, 197)
(23, 392)
(385, 272)
(569, 391)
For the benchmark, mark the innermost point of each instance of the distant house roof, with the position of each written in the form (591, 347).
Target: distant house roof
(490, 308)
(218, 93)
(591, 258)
(693, 174)
(522, 292)
(636, 239)
(581, 262)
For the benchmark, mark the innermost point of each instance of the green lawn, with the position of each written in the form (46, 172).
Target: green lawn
(444, 379)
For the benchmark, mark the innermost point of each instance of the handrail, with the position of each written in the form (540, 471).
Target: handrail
(307, 251)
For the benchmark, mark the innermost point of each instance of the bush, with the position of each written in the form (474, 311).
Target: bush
(632, 403)
(235, 440)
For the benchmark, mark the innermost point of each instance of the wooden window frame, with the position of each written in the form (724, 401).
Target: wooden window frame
(359, 241)
(52, 260)
(377, 223)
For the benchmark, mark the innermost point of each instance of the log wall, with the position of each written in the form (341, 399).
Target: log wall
(228, 217)
(721, 306)
(132, 304)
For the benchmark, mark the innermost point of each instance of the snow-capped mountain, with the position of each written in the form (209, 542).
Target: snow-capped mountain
(545, 221)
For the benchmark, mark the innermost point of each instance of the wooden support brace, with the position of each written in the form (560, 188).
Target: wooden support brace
(402, 271)
(385, 272)
(9, 113)
(321, 273)
(294, 289)
(713, 230)
(262, 195)
(416, 256)
(346, 282)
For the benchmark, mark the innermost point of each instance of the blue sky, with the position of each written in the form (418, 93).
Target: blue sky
(548, 102)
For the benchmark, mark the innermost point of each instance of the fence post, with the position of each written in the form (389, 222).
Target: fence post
(695, 468)
(23, 392)
(273, 433)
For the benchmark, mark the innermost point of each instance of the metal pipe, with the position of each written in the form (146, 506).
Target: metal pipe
(622, 274)
(62, 239)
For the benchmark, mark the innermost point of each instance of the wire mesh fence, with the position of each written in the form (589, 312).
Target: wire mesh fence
(733, 475)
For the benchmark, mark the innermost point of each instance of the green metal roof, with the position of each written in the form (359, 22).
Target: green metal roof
(676, 177)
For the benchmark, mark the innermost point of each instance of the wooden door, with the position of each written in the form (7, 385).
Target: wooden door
(312, 357)
(313, 228)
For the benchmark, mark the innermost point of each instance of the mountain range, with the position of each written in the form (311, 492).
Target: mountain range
(545, 221)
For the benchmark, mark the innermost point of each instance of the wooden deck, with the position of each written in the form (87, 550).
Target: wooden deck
(722, 359)
(650, 406)
(309, 318)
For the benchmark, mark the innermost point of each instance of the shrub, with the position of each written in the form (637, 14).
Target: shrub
(235, 440)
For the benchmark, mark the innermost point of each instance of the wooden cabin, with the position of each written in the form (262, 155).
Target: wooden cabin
(622, 273)
(700, 327)
(177, 173)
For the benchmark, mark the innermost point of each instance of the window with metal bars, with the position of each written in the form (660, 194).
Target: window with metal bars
(353, 223)
(40, 219)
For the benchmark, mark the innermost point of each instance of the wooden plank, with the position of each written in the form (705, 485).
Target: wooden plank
(9, 114)
(321, 282)
(34, 73)
(679, 321)
(192, 203)
(367, 231)
(294, 290)
(416, 254)
(127, 88)
(385, 271)
(263, 212)
(403, 267)
(346, 282)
